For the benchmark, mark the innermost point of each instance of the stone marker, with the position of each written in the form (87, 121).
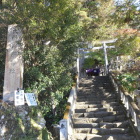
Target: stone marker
(13, 77)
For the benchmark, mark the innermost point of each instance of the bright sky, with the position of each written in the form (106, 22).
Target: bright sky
(136, 2)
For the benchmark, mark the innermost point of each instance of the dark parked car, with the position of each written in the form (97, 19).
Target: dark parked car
(93, 72)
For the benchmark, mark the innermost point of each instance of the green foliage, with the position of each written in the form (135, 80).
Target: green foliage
(127, 44)
(94, 59)
(65, 23)
(128, 81)
(127, 13)
(101, 25)
(48, 68)
(124, 45)
(46, 135)
(88, 63)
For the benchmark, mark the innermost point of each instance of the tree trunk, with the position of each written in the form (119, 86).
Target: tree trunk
(0, 2)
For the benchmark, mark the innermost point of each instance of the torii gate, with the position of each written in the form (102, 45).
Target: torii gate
(104, 47)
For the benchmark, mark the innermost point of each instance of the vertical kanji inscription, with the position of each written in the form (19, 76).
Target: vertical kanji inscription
(13, 77)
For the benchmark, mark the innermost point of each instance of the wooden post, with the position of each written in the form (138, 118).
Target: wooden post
(13, 77)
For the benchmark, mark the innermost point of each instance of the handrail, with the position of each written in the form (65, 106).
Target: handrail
(66, 114)
(132, 109)
(66, 124)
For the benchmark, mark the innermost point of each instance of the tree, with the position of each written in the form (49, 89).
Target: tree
(48, 66)
(126, 12)
(0, 2)
(94, 59)
(101, 25)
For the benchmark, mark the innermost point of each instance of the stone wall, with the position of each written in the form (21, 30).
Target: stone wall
(22, 123)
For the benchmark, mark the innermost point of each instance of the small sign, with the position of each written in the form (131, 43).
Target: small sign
(30, 98)
(19, 97)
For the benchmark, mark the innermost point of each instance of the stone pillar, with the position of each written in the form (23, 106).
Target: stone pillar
(63, 130)
(78, 69)
(106, 59)
(13, 77)
(138, 100)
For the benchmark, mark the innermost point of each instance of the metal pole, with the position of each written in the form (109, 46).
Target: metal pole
(106, 59)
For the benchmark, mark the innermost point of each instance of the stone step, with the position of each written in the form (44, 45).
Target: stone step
(101, 80)
(87, 109)
(102, 114)
(104, 83)
(88, 102)
(123, 124)
(86, 125)
(83, 85)
(106, 94)
(101, 131)
(111, 107)
(90, 110)
(111, 137)
(84, 88)
(112, 118)
(97, 86)
(86, 93)
(97, 114)
(111, 104)
(87, 120)
(81, 136)
(96, 99)
(102, 86)
(114, 108)
(85, 106)
(96, 95)
(103, 102)
(95, 109)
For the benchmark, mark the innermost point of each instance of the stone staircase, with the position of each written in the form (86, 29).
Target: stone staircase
(98, 114)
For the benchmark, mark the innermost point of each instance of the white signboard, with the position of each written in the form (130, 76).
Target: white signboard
(19, 97)
(30, 98)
